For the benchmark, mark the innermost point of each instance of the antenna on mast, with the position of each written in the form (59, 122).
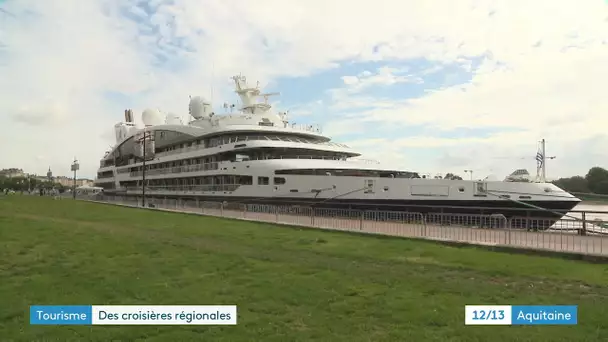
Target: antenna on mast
(212, 79)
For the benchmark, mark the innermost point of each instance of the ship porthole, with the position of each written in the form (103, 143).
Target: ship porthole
(461, 189)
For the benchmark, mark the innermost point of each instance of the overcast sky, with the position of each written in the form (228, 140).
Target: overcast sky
(429, 86)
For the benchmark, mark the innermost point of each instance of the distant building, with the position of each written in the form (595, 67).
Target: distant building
(65, 181)
(12, 172)
(69, 181)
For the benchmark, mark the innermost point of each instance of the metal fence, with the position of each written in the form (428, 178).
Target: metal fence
(564, 235)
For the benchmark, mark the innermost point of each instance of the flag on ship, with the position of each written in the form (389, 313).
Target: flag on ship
(540, 158)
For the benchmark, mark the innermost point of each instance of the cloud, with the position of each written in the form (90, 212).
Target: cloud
(384, 76)
(48, 114)
(541, 72)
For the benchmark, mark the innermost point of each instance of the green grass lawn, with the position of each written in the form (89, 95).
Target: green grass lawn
(289, 284)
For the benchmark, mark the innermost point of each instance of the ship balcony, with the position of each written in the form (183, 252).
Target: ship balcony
(182, 189)
(177, 169)
(103, 180)
(215, 165)
(314, 128)
(317, 157)
(231, 140)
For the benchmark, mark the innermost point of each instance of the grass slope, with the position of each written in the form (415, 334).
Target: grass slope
(289, 284)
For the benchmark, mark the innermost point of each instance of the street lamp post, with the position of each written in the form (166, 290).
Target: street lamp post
(143, 175)
(143, 171)
(469, 171)
(147, 135)
(75, 167)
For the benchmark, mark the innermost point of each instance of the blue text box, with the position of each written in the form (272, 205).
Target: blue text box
(544, 314)
(61, 314)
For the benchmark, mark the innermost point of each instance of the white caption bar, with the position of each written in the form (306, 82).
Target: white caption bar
(164, 314)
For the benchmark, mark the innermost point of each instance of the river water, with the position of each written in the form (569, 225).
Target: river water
(599, 220)
(585, 206)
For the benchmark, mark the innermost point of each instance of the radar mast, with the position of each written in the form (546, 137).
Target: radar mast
(249, 94)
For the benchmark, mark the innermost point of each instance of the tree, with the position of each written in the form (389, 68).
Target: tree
(573, 184)
(595, 179)
(452, 176)
(602, 187)
(15, 183)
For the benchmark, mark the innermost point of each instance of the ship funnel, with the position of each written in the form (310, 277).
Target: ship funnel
(128, 115)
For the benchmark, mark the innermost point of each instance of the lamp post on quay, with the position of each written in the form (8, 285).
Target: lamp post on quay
(147, 135)
(469, 171)
(75, 167)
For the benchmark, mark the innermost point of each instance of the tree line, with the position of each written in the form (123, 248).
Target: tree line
(595, 181)
(449, 175)
(23, 184)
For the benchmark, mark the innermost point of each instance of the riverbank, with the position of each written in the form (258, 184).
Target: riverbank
(289, 283)
(593, 200)
(602, 204)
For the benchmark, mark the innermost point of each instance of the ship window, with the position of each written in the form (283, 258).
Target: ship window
(461, 189)
(293, 190)
(279, 180)
(245, 180)
(385, 188)
(525, 197)
(369, 186)
(263, 180)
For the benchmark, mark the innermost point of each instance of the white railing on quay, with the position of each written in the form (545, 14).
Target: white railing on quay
(563, 235)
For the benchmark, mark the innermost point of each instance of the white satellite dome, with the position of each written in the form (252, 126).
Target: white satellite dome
(199, 107)
(173, 119)
(152, 117)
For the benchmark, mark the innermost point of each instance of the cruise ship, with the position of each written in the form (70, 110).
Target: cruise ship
(254, 154)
